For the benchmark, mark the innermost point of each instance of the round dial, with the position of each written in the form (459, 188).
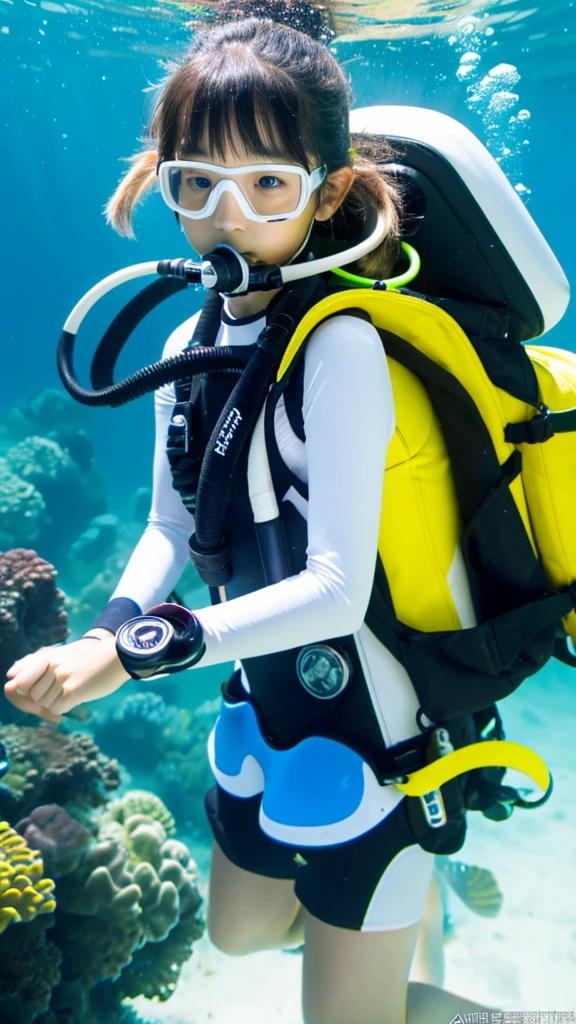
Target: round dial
(323, 670)
(148, 634)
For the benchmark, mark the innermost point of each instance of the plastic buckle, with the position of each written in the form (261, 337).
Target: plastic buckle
(541, 426)
(535, 431)
(180, 428)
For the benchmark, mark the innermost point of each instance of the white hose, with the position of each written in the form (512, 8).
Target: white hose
(260, 486)
(299, 270)
(85, 304)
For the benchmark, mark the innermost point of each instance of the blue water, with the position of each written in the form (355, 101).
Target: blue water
(74, 100)
(73, 104)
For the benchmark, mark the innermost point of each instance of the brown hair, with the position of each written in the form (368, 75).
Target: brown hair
(287, 97)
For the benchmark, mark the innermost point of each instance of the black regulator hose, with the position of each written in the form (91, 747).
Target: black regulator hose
(186, 364)
(106, 355)
(207, 546)
(150, 378)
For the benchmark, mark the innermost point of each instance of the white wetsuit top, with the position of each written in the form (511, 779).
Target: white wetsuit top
(346, 382)
(348, 414)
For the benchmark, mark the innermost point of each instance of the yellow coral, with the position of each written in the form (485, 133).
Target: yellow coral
(24, 892)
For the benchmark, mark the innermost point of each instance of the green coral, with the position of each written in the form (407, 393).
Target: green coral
(24, 892)
(140, 801)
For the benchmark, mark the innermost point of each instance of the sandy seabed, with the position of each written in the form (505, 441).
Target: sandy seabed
(524, 959)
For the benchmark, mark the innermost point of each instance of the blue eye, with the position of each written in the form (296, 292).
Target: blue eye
(269, 177)
(198, 181)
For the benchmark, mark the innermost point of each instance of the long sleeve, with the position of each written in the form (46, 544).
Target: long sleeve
(160, 555)
(349, 421)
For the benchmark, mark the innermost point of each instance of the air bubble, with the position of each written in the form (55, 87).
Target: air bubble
(501, 102)
(505, 74)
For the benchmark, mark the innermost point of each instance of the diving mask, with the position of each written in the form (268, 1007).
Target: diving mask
(265, 192)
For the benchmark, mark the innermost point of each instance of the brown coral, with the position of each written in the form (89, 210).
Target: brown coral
(61, 839)
(32, 611)
(50, 766)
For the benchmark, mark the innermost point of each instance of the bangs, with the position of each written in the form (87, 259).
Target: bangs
(233, 103)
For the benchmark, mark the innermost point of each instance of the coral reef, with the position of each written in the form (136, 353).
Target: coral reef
(156, 978)
(169, 740)
(60, 839)
(141, 726)
(45, 412)
(136, 802)
(32, 613)
(71, 498)
(128, 903)
(136, 889)
(29, 970)
(134, 873)
(22, 509)
(24, 891)
(50, 766)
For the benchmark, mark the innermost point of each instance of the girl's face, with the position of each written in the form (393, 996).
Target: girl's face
(264, 243)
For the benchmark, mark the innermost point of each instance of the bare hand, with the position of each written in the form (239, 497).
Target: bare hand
(53, 680)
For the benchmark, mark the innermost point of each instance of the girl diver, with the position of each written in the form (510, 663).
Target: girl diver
(250, 142)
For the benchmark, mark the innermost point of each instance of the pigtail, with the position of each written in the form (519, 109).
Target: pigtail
(132, 188)
(374, 187)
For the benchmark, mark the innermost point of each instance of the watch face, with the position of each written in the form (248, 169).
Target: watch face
(147, 635)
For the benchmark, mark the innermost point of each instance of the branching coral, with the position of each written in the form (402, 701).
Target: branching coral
(24, 892)
(32, 610)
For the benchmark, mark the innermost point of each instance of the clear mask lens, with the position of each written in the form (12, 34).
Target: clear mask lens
(269, 193)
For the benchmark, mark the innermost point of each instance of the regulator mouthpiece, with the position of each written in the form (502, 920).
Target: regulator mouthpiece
(224, 270)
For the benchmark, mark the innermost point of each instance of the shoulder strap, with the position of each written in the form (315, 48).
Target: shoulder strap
(292, 386)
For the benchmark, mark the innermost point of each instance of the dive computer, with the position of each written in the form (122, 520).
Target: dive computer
(168, 638)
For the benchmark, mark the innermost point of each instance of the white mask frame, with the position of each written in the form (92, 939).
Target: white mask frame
(310, 182)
